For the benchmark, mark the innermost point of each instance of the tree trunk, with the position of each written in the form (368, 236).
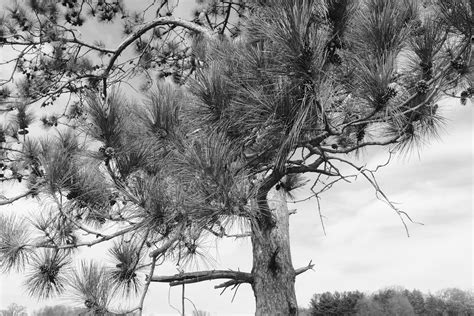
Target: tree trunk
(273, 273)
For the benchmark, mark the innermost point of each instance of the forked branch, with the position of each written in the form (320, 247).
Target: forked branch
(310, 266)
(236, 277)
(380, 194)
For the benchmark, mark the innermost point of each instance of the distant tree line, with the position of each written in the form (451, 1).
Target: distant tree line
(62, 310)
(56, 310)
(59, 310)
(392, 301)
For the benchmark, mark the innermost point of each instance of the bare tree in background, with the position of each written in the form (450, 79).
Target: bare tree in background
(14, 310)
(260, 94)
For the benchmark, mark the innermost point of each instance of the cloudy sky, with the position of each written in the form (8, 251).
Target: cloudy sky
(366, 247)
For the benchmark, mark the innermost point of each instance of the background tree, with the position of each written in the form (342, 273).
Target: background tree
(457, 302)
(59, 310)
(344, 303)
(14, 310)
(397, 304)
(416, 300)
(296, 87)
(394, 301)
(303, 311)
(434, 305)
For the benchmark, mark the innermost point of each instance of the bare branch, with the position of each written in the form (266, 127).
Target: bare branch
(16, 198)
(159, 251)
(380, 194)
(194, 277)
(320, 213)
(222, 233)
(236, 277)
(365, 144)
(310, 266)
(147, 285)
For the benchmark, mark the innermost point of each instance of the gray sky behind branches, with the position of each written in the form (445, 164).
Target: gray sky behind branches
(366, 247)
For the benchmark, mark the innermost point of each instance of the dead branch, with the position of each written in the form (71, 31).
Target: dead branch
(243, 235)
(379, 193)
(194, 277)
(313, 167)
(236, 277)
(310, 266)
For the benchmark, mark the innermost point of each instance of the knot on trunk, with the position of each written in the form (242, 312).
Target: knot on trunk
(292, 308)
(274, 264)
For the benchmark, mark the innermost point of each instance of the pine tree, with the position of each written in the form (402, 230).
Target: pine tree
(257, 94)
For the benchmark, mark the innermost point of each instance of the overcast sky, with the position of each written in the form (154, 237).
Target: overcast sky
(366, 247)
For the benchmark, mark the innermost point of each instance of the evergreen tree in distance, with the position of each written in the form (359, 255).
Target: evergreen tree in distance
(263, 93)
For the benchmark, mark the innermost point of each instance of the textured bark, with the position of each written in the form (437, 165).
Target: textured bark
(273, 273)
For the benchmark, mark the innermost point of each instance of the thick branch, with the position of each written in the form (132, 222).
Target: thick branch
(194, 277)
(155, 253)
(229, 283)
(236, 277)
(313, 167)
(316, 141)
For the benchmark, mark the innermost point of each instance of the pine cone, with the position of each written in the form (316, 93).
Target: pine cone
(109, 152)
(422, 87)
(458, 64)
(336, 59)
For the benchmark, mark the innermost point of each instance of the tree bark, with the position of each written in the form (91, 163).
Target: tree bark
(273, 274)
